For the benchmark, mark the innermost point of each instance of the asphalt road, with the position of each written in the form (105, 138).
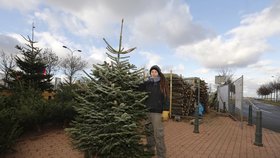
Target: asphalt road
(270, 113)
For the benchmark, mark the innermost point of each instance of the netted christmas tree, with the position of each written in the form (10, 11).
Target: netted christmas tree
(110, 113)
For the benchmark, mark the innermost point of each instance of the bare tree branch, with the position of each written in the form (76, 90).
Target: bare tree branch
(6, 64)
(71, 65)
(51, 60)
(228, 73)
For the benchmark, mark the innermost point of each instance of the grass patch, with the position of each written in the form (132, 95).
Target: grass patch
(270, 102)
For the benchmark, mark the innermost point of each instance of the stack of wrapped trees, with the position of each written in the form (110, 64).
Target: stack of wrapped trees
(196, 83)
(185, 94)
(183, 98)
(204, 94)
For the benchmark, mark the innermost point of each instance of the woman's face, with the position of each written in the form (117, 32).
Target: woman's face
(154, 73)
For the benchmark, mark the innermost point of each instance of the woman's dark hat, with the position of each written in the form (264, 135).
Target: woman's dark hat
(155, 67)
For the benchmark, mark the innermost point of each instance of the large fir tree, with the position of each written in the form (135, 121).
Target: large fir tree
(32, 69)
(110, 113)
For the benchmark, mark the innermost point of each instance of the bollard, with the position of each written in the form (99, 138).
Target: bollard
(233, 110)
(196, 121)
(88, 154)
(258, 135)
(250, 122)
(224, 107)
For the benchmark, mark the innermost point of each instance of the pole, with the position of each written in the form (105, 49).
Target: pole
(170, 98)
(258, 134)
(250, 116)
(218, 96)
(196, 121)
(198, 95)
(241, 113)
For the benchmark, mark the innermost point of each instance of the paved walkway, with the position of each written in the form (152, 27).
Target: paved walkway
(218, 137)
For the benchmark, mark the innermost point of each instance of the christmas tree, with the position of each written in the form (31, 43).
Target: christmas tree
(110, 113)
(32, 73)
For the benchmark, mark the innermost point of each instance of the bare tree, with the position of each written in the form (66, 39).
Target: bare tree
(71, 65)
(264, 90)
(228, 73)
(272, 87)
(51, 60)
(6, 64)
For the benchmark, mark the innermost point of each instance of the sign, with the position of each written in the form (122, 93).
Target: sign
(220, 79)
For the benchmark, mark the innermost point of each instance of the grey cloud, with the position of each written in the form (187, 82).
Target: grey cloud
(192, 33)
(164, 21)
(119, 7)
(7, 44)
(239, 47)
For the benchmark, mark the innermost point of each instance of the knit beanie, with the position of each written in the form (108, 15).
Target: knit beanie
(155, 67)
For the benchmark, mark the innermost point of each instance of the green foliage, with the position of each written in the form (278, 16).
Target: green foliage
(266, 101)
(9, 126)
(213, 100)
(31, 67)
(64, 102)
(66, 93)
(110, 111)
(31, 108)
(60, 112)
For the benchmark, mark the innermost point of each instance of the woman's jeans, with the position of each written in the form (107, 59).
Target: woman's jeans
(155, 134)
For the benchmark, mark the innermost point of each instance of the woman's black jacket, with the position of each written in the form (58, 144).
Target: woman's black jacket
(155, 102)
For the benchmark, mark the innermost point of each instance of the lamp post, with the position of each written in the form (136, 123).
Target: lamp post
(74, 65)
(196, 120)
(72, 51)
(273, 86)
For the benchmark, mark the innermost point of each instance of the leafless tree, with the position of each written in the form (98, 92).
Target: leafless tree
(228, 73)
(277, 90)
(264, 90)
(277, 87)
(51, 60)
(71, 65)
(272, 87)
(6, 64)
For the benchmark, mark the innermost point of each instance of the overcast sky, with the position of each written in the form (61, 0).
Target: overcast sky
(192, 37)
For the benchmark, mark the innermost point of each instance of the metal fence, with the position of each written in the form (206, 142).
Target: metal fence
(230, 99)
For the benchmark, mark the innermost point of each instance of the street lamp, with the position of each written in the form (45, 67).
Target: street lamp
(72, 51)
(273, 90)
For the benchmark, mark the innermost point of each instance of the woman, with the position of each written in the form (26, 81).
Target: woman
(158, 91)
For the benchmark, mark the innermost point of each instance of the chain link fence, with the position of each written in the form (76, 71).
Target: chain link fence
(230, 99)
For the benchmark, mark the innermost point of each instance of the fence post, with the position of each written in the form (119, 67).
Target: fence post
(258, 135)
(196, 121)
(250, 122)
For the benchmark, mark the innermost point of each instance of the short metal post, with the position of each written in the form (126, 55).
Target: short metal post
(224, 106)
(233, 110)
(258, 135)
(196, 121)
(250, 122)
(87, 154)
